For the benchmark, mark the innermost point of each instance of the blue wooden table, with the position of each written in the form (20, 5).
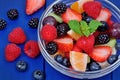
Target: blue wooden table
(7, 69)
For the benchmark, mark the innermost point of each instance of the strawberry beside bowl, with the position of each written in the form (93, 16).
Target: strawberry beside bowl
(65, 55)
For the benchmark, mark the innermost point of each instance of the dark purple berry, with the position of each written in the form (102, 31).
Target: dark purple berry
(59, 8)
(62, 29)
(12, 14)
(103, 38)
(3, 24)
(104, 26)
(51, 48)
(33, 23)
(50, 20)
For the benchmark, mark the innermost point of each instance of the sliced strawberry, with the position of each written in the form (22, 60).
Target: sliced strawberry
(104, 15)
(86, 43)
(75, 48)
(71, 15)
(67, 55)
(101, 53)
(92, 8)
(33, 5)
(64, 44)
(110, 23)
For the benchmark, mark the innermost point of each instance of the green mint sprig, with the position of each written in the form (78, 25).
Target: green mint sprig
(83, 28)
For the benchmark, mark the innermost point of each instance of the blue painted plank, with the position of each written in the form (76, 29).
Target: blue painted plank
(115, 74)
(8, 70)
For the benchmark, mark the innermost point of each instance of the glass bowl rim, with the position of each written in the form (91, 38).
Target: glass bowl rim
(56, 63)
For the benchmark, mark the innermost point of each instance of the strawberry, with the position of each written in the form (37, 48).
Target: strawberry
(67, 55)
(92, 8)
(75, 48)
(33, 5)
(31, 49)
(86, 43)
(104, 15)
(17, 36)
(101, 53)
(71, 15)
(12, 52)
(64, 44)
(48, 33)
(110, 23)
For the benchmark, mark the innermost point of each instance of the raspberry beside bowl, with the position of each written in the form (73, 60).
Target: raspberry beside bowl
(70, 72)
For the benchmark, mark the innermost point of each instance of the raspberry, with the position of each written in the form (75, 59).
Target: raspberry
(12, 52)
(31, 49)
(92, 8)
(59, 8)
(17, 36)
(48, 33)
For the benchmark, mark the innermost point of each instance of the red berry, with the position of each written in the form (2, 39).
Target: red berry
(17, 36)
(31, 49)
(12, 52)
(64, 44)
(33, 5)
(92, 8)
(71, 15)
(105, 15)
(75, 48)
(48, 33)
(67, 55)
(86, 43)
(101, 53)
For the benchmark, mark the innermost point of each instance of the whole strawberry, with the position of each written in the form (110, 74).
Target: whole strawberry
(17, 36)
(12, 52)
(31, 49)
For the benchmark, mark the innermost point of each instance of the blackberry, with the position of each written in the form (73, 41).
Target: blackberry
(62, 29)
(104, 26)
(21, 65)
(59, 8)
(12, 14)
(2, 24)
(103, 38)
(51, 48)
(33, 23)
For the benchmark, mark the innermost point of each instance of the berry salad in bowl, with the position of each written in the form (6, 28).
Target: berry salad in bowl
(81, 38)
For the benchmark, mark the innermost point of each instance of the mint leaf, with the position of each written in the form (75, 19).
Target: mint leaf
(93, 25)
(75, 26)
(84, 28)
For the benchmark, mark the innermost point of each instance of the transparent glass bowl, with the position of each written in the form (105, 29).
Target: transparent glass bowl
(67, 71)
